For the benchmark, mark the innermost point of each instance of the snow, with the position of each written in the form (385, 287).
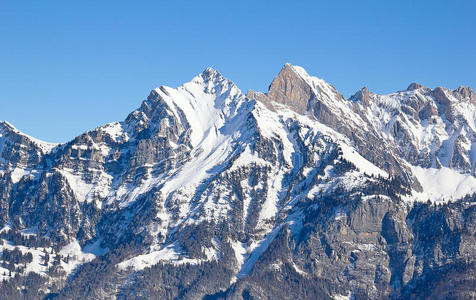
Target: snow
(214, 110)
(443, 185)
(77, 256)
(195, 171)
(95, 249)
(298, 270)
(36, 265)
(32, 231)
(360, 162)
(240, 251)
(205, 102)
(434, 138)
(115, 131)
(295, 222)
(84, 191)
(472, 156)
(170, 254)
(255, 250)
(342, 297)
(4, 274)
(246, 158)
(46, 147)
(330, 182)
(18, 174)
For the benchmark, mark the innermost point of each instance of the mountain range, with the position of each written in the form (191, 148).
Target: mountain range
(205, 192)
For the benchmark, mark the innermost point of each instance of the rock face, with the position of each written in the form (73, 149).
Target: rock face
(364, 96)
(205, 193)
(291, 90)
(308, 95)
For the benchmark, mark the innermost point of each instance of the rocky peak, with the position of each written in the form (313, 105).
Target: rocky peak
(210, 73)
(289, 88)
(206, 86)
(209, 78)
(441, 96)
(446, 96)
(364, 96)
(296, 89)
(15, 135)
(443, 101)
(465, 93)
(5, 126)
(154, 94)
(416, 86)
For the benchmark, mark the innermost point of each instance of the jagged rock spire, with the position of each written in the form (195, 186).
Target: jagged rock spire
(414, 86)
(295, 88)
(465, 92)
(289, 88)
(364, 96)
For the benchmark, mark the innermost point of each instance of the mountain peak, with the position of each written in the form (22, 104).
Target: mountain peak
(364, 96)
(465, 92)
(296, 89)
(415, 86)
(210, 73)
(7, 129)
(291, 89)
(7, 125)
(298, 71)
(210, 78)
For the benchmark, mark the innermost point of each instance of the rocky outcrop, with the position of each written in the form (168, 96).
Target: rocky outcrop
(364, 95)
(465, 93)
(416, 86)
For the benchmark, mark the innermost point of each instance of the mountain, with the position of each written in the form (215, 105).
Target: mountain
(206, 193)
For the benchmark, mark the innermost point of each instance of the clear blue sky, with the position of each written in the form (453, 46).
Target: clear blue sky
(70, 66)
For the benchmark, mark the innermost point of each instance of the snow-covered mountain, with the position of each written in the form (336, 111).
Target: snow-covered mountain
(203, 192)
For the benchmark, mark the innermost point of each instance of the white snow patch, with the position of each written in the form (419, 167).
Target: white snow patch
(37, 265)
(343, 297)
(240, 252)
(115, 131)
(18, 174)
(169, 254)
(76, 256)
(95, 249)
(84, 191)
(298, 270)
(360, 162)
(255, 250)
(443, 185)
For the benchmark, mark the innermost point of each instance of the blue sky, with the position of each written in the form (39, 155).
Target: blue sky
(69, 67)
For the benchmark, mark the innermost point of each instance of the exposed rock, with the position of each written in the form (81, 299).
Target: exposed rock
(465, 93)
(364, 96)
(416, 86)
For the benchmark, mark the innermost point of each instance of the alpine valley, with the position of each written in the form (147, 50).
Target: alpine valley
(204, 192)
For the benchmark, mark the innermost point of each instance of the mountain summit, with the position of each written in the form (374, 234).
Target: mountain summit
(205, 193)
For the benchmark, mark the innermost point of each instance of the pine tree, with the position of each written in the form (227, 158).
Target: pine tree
(46, 257)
